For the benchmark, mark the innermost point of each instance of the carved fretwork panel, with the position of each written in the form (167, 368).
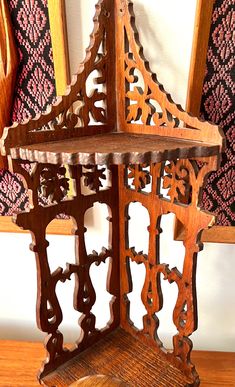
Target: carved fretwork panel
(51, 180)
(161, 163)
(94, 177)
(84, 109)
(141, 101)
(143, 104)
(177, 178)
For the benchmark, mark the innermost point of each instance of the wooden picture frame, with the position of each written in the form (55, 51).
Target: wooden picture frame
(216, 234)
(57, 17)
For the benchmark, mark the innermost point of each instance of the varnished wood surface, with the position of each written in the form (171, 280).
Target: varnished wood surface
(37, 221)
(216, 234)
(167, 121)
(100, 57)
(99, 381)
(113, 148)
(198, 58)
(19, 363)
(57, 226)
(57, 16)
(117, 353)
(136, 103)
(120, 355)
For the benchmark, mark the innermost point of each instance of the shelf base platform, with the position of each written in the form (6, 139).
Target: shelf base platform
(113, 148)
(122, 356)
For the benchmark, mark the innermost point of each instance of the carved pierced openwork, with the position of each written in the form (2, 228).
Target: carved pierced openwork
(84, 108)
(180, 178)
(49, 312)
(125, 96)
(137, 274)
(139, 177)
(99, 275)
(94, 177)
(53, 183)
(89, 106)
(167, 329)
(142, 100)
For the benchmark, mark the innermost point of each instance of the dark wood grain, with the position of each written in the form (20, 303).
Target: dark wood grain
(178, 177)
(51, 181)
(159, 151)
(100, 58)
(99, 381)
(124, 101)
(122, 356)
(114, 148)
(19, 363)
(137, 103)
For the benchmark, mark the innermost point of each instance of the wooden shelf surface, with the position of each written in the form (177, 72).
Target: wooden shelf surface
(113, 148)
(20, 361)
(120, 355)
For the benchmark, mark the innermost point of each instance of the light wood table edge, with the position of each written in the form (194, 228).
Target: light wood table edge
(24, 358)
(57, 226)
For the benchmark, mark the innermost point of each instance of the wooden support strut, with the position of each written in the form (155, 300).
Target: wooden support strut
(149, 148)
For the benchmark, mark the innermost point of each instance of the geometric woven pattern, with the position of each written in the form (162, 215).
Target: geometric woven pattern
(13, 197)
(35, 86)
(218, 106)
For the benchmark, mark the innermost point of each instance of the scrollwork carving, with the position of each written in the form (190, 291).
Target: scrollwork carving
(145, 105)
(52, 179)
(140, 176)
(141, 99)
(53, 183)
(93, 179)
(90, 102)
(177, 180)
(181, 178)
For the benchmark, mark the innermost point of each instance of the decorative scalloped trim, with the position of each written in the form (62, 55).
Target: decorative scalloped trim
(19, 130)
(18, 134)
(205, 131)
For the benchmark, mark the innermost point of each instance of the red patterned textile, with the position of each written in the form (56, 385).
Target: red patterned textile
(35, 87)
(36, 84)
(218, 106)
(13, 196)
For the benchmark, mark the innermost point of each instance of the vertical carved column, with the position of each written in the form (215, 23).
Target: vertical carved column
(183, 179)
(50, 181)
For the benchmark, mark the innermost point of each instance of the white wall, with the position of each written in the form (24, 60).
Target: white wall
(166, 32)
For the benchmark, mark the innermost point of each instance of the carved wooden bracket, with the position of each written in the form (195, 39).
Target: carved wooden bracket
(164, 155)
(118, 102)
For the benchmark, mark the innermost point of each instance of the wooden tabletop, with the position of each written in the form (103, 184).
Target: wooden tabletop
(114, 148)
(20, 361)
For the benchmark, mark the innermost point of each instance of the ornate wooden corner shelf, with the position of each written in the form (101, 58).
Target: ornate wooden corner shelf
(157, 155)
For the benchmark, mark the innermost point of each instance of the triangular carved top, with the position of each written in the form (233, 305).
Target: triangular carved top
(144, 105)
(126, 96)
(84, 105)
